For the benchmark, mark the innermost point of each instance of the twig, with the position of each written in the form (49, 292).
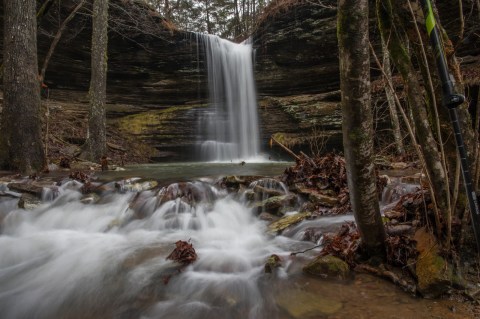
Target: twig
(309, 159)
(304, 251)
(289, 151)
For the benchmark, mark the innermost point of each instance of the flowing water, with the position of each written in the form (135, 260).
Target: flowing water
(230, 125)
(85, 256)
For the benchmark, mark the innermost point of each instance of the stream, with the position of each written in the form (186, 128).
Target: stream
(86, 256)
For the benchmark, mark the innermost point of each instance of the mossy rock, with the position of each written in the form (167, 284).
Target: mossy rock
(274, 204)
(302, 304)
(328, 267)
(434, 274)
(287, 221)
(318, 198)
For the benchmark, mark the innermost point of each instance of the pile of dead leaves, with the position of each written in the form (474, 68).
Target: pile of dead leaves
(184, 253)
(343, 244)
(326, 174)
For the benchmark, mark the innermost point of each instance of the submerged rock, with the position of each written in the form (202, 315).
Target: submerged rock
(302, 304)
(328, 267)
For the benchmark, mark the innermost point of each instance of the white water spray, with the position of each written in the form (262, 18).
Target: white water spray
(231, 123)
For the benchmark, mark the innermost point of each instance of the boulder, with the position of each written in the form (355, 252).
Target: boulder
(318, 197)
(301, 304)
(29, 201)
(274, 205)
(286, 221)
(434, 274)
(328, 267)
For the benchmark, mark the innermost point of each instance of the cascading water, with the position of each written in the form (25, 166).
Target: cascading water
(85, 257)
(230, 125)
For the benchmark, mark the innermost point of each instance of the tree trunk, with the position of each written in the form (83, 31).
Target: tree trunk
(357, 127)
(21, 146)
(96, 144)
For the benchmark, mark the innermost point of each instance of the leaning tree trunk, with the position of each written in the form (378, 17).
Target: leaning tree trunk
(21, 145)
(96, 144)
(353, 42)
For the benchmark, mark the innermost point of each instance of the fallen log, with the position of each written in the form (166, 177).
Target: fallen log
(289, 151)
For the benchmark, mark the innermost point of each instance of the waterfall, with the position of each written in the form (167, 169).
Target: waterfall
(230, 125)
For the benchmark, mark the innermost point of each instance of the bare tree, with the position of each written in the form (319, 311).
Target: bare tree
(357, 127)
(21, 145)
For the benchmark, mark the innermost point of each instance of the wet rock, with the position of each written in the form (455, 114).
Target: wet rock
(303, 304)
(189, 193)
(433, 272)
(272, 263)
(91, 198)
(29, 188)
(29, 201)
(267, 192)
(286, 221)
(274, 204)
(139, 187)
(317, 197)
(267, 217)
(328, 267)
(250, 195)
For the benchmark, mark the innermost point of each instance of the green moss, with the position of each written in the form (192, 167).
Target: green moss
(329, 267)
(138, 123)
(287, 221)
(303, 304)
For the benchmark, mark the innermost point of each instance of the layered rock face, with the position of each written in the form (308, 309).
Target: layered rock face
(297, 72)
(297, 63)
(148, 62)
